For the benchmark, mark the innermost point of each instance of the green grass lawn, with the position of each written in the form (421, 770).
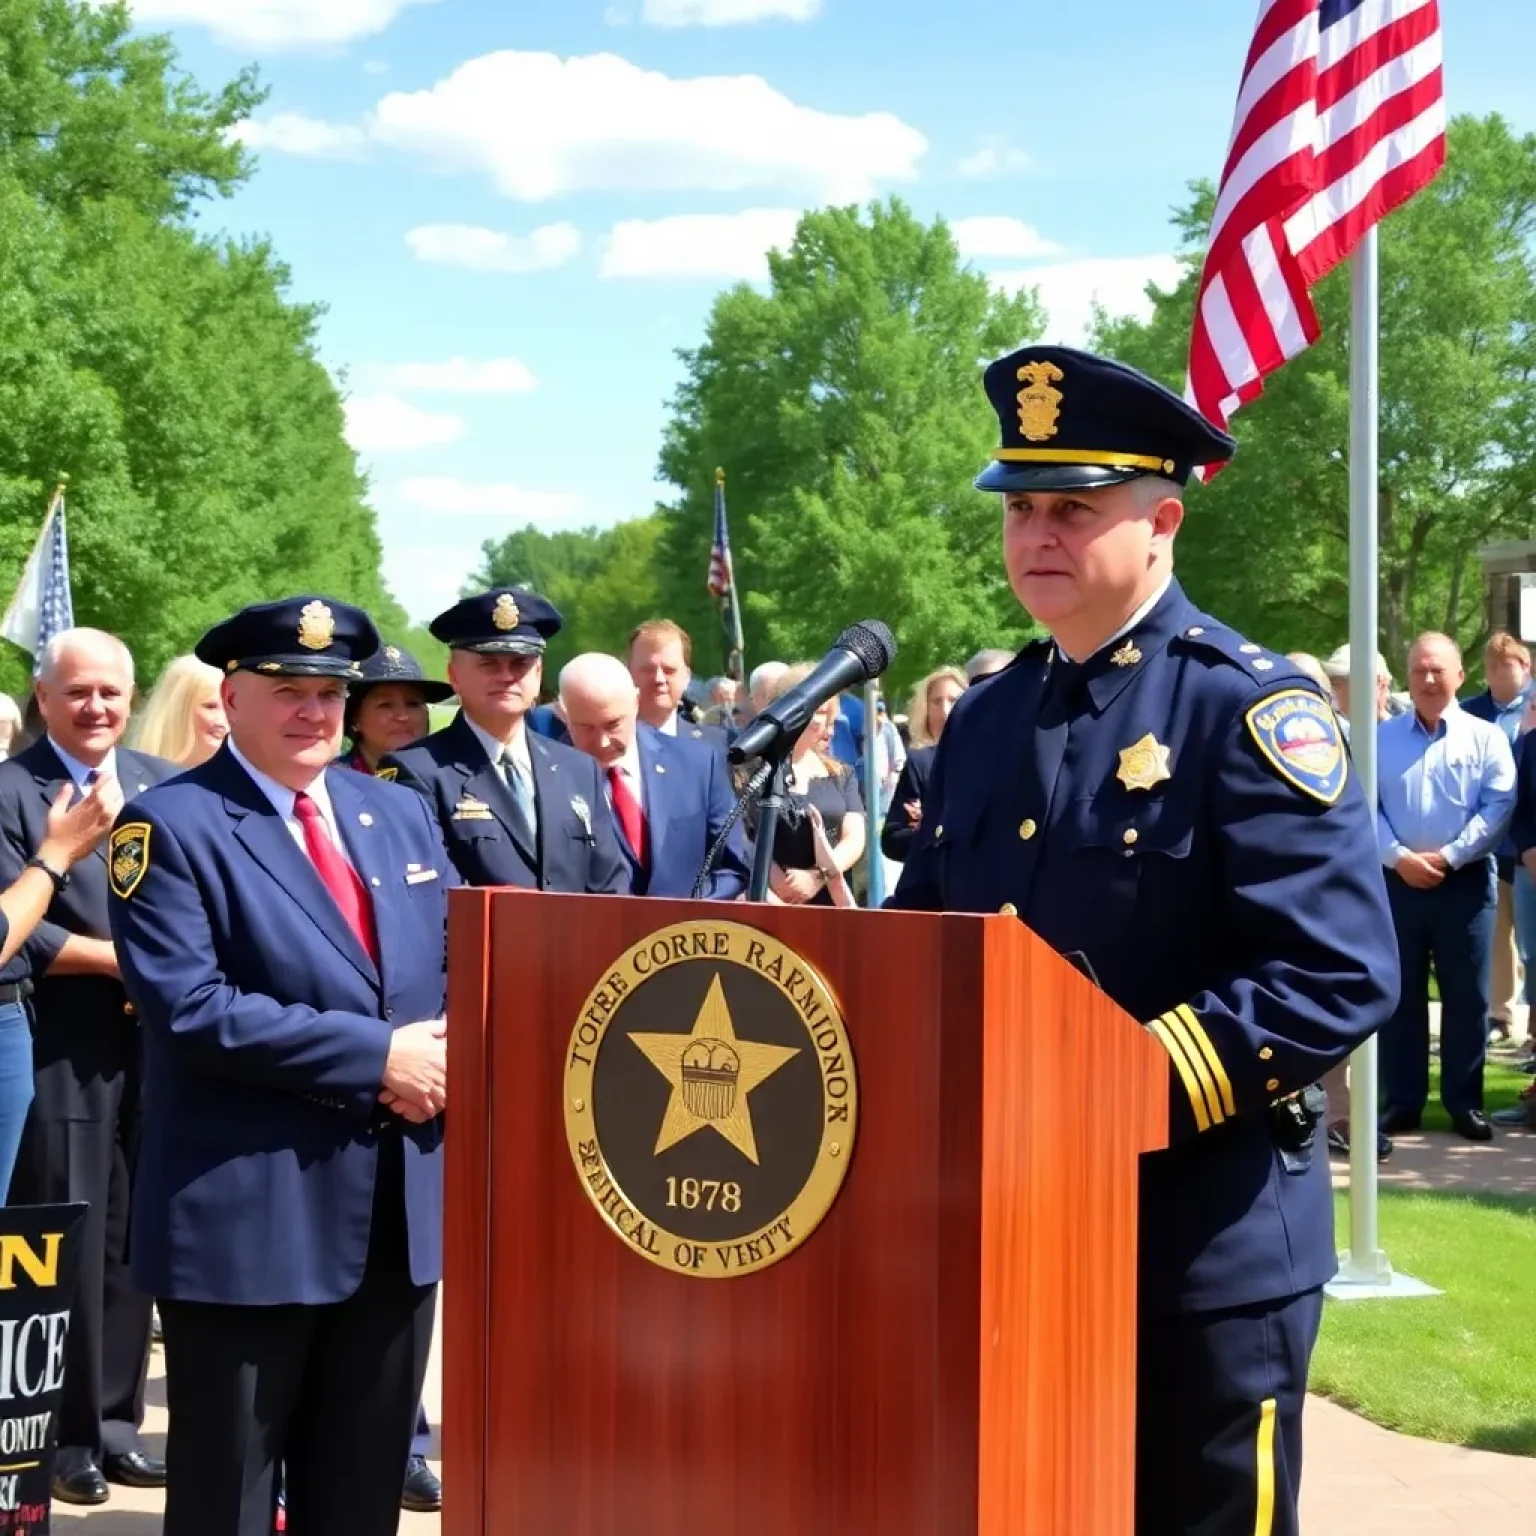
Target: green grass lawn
(1460, 1367)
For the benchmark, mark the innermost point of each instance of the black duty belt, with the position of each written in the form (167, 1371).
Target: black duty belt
(15, 992)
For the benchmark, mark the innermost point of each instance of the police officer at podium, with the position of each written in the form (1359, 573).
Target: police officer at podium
(1170, 805)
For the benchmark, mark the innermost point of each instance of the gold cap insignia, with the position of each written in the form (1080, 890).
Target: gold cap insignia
(505, 615)
(1145, 764)
(1127, 655)
(317, 626)
(1039, 403)
(391, 653)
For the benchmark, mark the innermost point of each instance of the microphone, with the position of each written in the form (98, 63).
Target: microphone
(860, 653)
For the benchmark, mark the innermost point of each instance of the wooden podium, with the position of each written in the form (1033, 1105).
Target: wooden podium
(952, 1352)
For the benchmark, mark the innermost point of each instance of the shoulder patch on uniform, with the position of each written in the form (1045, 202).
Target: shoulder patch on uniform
(128, 857)
(389, 775)
(1298, 735)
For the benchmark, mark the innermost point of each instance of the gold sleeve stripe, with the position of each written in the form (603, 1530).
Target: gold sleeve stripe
(1191, 1082)
(1203, 1040)
(1180, 1031)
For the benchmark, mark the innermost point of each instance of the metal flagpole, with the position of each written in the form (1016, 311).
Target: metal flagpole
(1365, 1270)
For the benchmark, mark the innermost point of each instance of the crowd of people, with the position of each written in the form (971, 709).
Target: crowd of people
(1456, 820)
(222, 1027)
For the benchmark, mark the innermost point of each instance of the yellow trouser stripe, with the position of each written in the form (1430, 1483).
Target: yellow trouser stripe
(1264, 1519)
(1203, 1040)
(1191, 1083)
(1197, 1061)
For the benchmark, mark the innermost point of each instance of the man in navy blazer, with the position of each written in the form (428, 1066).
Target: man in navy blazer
(669, 797)
(281, 925)
(515, 808)
(82, 1134)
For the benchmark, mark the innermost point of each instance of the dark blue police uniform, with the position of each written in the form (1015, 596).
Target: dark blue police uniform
(290, 1225)
(1178, 814)
(573, 847)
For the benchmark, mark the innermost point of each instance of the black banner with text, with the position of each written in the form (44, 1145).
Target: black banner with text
(39, 1269)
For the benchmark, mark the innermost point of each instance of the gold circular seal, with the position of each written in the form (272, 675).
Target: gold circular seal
(710, 1099)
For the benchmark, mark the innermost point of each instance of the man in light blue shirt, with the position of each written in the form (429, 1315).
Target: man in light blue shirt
(1446, 793)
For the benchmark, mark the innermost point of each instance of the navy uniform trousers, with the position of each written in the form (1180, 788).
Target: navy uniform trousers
(1218, 1424)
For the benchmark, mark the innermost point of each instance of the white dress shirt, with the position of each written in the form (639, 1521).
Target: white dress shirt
(668, 727)
(516, 748)
(629, 770)
(282, 799)
(79, 771)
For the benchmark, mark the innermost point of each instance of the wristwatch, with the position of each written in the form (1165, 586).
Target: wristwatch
(60, 877)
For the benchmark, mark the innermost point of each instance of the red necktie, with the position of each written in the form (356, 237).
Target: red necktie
(340, 878)
(627, 809)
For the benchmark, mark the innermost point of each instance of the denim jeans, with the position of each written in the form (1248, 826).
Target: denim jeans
(15, 1084)
(1525, 925)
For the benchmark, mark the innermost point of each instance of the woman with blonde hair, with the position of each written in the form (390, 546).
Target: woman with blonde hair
(822, 836)
(932, 700)
(184, 720)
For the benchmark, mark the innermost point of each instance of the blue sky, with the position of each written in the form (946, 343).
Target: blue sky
(517, 210)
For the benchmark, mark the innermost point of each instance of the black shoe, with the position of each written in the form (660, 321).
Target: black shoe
(1473, 1124)
(81, 1485)
(134, 1469)
(1338, 1140)
(1400, 1122)
(423, 1493)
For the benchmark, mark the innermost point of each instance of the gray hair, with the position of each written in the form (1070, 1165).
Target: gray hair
(1151, 489)
(985, 663)
(68, 640)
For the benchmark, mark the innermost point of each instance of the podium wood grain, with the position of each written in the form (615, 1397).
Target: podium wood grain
(950, 1353)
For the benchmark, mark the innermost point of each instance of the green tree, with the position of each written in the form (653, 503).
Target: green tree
(604, 582)
(846, 405)
(1266, 543)
(166, 372)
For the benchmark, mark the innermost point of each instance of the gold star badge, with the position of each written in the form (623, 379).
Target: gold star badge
(1127, 655)
(1145, 764)
(711, 1073)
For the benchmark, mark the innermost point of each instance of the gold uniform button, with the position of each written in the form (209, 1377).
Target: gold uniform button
(1272, 1086)
(129, 1009)
(1266, 1054)
(1007, 910)
(1131, 834)
(1027, 829)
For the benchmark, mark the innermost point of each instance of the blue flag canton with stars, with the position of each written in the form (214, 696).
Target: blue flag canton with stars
(56, 608)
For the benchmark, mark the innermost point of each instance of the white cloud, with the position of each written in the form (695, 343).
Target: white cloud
(1069, 289)
(277, 23)
(490, 250)
(445, 496)
(465, 376)
(993, 160)
(540, 126)
(725, 13)
(722, 245)
(1011, 238)
(427, 578)
(375, 67)
(388, 424)
(295, 133)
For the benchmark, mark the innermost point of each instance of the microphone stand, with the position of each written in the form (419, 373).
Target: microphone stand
(770, 804)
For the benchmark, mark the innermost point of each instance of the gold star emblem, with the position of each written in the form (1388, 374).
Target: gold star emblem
(1127, 655)
(711, 1073)
(1144, 764)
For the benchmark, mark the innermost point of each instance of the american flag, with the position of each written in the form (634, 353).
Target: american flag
(721, 576)
(42, 605)
(1341, 117)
